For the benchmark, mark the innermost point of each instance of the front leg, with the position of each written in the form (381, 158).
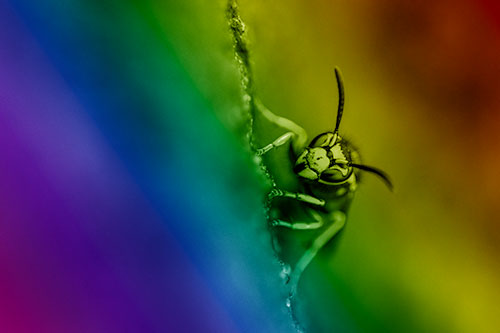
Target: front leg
(339, 219)
(276, 143)
(297, 196)
(299, 140)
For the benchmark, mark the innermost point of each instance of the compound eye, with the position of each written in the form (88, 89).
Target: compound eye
(323, 140)
(336, 174)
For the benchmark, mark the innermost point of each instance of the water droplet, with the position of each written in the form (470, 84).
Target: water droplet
(285, 272)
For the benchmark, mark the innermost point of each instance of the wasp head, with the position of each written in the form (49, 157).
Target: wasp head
(327, 159)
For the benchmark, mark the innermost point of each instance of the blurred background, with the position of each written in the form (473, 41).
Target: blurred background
(128, 202)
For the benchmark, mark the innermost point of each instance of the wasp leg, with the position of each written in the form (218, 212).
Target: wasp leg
(276, 143)
(339, 219)
(297, 196)
(316, 224)
(300, 138)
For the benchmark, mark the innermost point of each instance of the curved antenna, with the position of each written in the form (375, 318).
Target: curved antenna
(376, 171)
(340, 110)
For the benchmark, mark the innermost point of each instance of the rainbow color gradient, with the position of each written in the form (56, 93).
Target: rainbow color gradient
(128, 202)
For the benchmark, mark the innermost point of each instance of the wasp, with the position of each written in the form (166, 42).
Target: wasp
(328, 170)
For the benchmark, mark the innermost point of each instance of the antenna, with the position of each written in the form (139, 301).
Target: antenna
(376, 171)
(340, 110)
